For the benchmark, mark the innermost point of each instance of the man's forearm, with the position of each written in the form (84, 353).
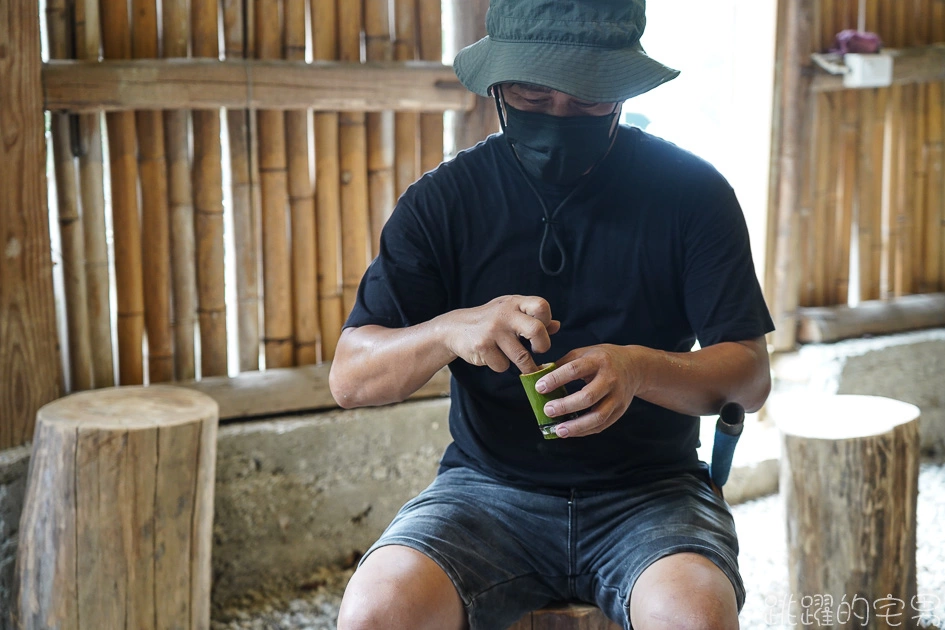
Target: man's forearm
(374, 365)
(699, 383)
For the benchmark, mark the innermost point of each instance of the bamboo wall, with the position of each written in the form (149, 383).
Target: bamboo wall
(306, 193)
(874, 183)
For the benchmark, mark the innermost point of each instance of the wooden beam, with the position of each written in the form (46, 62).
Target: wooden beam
(81, 86)
(826, 324)
(923, 64)
(287, 390)
(29, 355)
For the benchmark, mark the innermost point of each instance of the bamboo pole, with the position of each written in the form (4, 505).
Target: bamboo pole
(431, 49)
(122, 149)
(176, 35)
(155, 227)
(828, 13)
(406, 124)
(806, 231)
(327, 188)
(821, 263)
(352, 137)
(469, 25)
(846, 196)
(208, 204)
(301, 204)
(923, 245)
(244, 174)
(903, 279)
(935, 263)
(380, 126)
(59, 31)
(793, 102)
(92, 187)
(277, 289)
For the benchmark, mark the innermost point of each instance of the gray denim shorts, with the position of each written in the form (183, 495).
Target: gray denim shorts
(509, 551)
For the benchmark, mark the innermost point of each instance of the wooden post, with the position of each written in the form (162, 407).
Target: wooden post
(244, 186)
(117, 522)
(849, 478)
(155, 226)
(176, 40)
(60, 34)
(208, 203)
(29, 359)
(123, 156)
(469, 26)
(301, 204)
(277, 271)
(789, 154)
(566, 617)
(91, 176)
(327, 188)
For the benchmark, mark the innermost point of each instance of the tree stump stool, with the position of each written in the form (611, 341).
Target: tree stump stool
(566, 617)
(849, 478)
(116, 528)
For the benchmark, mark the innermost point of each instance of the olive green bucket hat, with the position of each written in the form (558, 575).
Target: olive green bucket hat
(589, 49)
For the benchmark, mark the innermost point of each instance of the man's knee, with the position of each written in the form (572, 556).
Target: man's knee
(398, 587)
(683, 592)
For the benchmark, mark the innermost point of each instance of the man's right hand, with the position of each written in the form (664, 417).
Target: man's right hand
(492, 334)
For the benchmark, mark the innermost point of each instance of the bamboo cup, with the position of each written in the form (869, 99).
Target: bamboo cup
(545, 424)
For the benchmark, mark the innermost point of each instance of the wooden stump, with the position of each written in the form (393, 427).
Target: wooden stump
(849, 478)
(117, 523)
(566, 617)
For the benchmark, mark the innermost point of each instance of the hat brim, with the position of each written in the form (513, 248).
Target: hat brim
(591, 73)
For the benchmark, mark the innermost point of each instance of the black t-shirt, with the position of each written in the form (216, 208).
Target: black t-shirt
(656, 253)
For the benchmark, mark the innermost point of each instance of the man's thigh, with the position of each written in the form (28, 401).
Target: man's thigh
(622, 534)
(503, 549)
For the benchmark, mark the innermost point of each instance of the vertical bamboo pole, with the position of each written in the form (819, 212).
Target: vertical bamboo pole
(821, 262)
(828, 14)
(301, 204)
(91, 178)
(806, 228)
(790, 155)
(902, 279)
(123, 151)
(406, 124)
(59, 31)
(431, 49)
(245, 194)
(277, 290)
(208, 203)
(183, 257)
(919, 162)
(469, 25)
(29, 357)
(327, 188)
(846, 196)
(935, 262)
(155, 228)
(380, 125)
(352, 136)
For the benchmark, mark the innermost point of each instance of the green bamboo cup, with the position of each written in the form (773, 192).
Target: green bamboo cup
(546, 424)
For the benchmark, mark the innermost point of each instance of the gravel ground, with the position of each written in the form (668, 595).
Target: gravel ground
(763, 557)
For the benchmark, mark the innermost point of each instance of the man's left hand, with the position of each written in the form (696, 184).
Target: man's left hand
(612, 378)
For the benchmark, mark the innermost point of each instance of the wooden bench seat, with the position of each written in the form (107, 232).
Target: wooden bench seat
(566, 617)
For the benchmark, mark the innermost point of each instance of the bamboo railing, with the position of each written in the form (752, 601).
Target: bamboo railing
(868, 219)
(306, 197)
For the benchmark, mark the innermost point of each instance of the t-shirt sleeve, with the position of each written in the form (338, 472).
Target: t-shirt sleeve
(723, 299)
(403, 286)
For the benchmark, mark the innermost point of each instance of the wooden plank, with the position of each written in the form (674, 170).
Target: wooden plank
(923, 64)
(29, 355)
(79, 86)
(287, 390)
(431, 49)
(873, 317)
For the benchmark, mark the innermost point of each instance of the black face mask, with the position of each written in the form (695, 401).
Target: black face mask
(557, 149)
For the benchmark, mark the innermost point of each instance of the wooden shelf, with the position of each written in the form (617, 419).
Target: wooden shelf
(924, 64)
